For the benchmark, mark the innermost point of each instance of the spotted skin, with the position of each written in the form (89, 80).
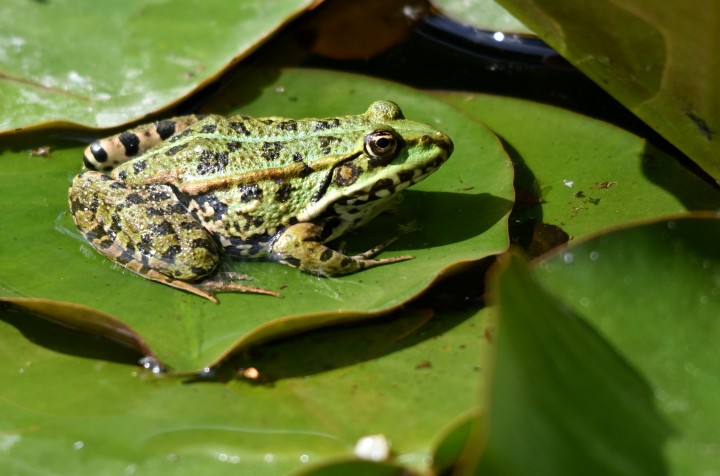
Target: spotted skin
(168, 200)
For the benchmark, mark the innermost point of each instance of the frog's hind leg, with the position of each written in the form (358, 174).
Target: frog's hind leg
(106, 154)
(150, 232)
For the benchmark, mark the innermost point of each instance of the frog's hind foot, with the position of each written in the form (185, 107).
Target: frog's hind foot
(205, 289)
(217, 284)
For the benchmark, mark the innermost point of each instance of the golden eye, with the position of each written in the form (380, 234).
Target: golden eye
(382, 146)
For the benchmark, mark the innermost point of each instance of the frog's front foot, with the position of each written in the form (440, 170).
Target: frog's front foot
(300, 246)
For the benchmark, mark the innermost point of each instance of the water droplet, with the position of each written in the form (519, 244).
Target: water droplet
(21, 370)
(130, 469)
(373, 448)
(304, 458)
(498, 36)
(568, 257)
(78, 445)
(269, 458)
(671, 225)
(151, 364)
(569, 183)
(222, 457)
(594, 255)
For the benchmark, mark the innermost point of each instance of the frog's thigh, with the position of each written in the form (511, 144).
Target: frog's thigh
(146, 230)
(108, 153)
(299, 246)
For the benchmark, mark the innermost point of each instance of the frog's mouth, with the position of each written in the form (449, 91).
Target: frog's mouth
(388, 186)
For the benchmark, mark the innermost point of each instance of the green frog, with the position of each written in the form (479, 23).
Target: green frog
(167, 200)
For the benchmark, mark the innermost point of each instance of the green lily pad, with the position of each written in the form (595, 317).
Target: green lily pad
(562, 400)
(112, 62)
(581, 174)
(318, 394)
(659, 60)
(188, 333)
(653, 291)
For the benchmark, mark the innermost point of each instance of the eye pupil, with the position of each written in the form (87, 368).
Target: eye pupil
(383, 143)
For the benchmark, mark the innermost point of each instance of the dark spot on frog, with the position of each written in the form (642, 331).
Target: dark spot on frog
(126, 256)
(122, 175)
(96, 233)
(249, 193)
(329, 124)
(161, 229)
(203, 243)
(293, 221)
(346, 174)
(165, 129)
(287, 125)
(255, 249)
(88, 163)
(158, 196)
(170, 253)
(346, 261)
(297, 157)
(292, 261)
(116, 224)
(219, 208)
(175, 149)
(208, 129)
(234, 146)
(96, 149)
(283, 192)
(329, 227)
(258, 221)
(239, 126)
(326, 143)
(326, 255)
(405, 176)
(145, 245)
(117, 185)
(134, 198)
(139, 166)
(271, 150)
(131, 142)
(212, 162)
(179, 136)
(382, 184)
(155, 212)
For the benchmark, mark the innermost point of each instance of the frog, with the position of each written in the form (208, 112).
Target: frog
(173, 199)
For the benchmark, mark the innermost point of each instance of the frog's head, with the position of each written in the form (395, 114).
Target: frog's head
(391, 153)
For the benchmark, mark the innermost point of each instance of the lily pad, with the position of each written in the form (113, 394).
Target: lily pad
(188, 333)
(113, 62)
(581, 174)
(562, 400)
(318, 394)
(658, 60)
(653, 291)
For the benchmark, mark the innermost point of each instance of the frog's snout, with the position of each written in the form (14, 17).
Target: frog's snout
(445, 142)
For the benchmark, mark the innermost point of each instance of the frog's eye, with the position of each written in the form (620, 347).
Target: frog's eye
(382, 146)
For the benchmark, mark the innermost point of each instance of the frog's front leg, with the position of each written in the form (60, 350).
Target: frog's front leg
(301, 246)
(106, 154)
(148, 231)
